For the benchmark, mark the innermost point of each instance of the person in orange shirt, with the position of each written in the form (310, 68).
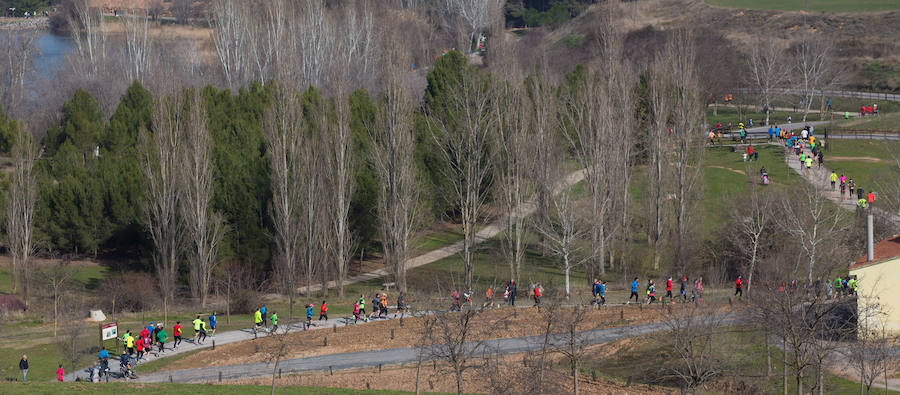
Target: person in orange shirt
(488, 298)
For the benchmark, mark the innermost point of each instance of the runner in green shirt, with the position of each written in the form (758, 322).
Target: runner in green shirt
(197, 323)
(161, 336)
(274, 321)
(808, 162)
(257, 319)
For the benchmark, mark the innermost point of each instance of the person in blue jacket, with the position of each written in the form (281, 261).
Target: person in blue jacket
(603, 292)
(634, 292)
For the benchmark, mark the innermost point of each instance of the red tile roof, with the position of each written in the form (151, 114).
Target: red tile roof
(886, 249)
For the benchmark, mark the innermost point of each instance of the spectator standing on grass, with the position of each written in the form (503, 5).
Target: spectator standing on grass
(212, 324)
(176, 334)
(161, 336)
(323, 312)
(60, 374)
(634, 292)
(595, 291)
(23, 366)
(771, 133)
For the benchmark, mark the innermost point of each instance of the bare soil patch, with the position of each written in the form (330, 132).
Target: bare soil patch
(498, 323)
(856, 159)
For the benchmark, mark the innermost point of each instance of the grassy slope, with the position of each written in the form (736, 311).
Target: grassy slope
(883, 122)
(744, 362)
(867, 175)
(87, 276)
(814, 5)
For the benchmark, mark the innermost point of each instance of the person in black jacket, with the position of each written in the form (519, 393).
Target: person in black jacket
(512, 292)
(23, 366)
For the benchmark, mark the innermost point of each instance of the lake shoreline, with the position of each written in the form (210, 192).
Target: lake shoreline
(40, 23)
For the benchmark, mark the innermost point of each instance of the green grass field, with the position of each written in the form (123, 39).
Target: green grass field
(875, 167)
(889, 122)
(811, 5)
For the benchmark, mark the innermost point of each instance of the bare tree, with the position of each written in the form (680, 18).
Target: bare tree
(685, 134)
(182, 10)
(454, 339)
(392, 154)
(564, 232)
(463, 135)
(474, 14)
(21, 206)
(70, 343)
(817, 224)
(768, 71)
(160, 165)
(230, 20)
(57, 277)
(753, 222)
(542, 122)
(660, 107)
(204, 228)
(88, 31)
(280, 345)
(512, 170)
(17, 52)
(814, 69)
(233, 278)
(282, 125)
(691, 332)
(575, 340)
(139, 45)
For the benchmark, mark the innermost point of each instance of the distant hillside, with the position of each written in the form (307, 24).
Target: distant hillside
(868, 42)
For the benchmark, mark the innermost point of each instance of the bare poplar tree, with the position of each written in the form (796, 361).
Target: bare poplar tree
(160, 165)
(813, 69)
(282, 125)
(512, 170)
(56, 277)
(339, 161)
(230, 20)
(545, 156)
(204, 227)
(752, 219)
(17, 52)
(88, 31)
(139, 45)
(686, 133)
(393, 143)
(464, 138)
(768, 71)
(474, 14)
(691, 332)
(659, 158)
(316, 40)
(575, 340)
(21, 206)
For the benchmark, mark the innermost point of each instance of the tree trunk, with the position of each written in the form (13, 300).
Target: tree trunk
(274, 371)
(568, 269)
(784, 375)
(459, 385)
(768, 353)
(575, 376)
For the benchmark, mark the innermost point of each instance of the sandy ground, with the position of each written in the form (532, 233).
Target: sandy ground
(856, 158)
(498, 323)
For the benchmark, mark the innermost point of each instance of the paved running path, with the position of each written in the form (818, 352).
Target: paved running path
(395, 356)
(819, 177)
(489, 231)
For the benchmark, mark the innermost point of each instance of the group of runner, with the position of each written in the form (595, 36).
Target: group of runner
(685, 285)
(155, 335)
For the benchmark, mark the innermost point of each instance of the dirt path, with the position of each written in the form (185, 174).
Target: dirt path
(489, 231)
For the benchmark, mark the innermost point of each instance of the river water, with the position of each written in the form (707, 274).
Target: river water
(51, 52)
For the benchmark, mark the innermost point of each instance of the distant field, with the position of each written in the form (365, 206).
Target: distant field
(811, 5)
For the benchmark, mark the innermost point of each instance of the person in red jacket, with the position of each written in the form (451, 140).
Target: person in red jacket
(537, 295)
(60, 374)
(176, 331)
(139, 346)
(738, 287)
(323, 313)
(862, 111)
(669, 289)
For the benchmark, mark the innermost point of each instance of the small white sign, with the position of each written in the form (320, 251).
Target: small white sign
(110, 331)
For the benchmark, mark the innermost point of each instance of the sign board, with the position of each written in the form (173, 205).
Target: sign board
(109, 331)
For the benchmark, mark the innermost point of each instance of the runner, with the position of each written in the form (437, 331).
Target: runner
(697, 292)
(669, 289)
(488, 299)
(103, 354)
(274, 322)
(850, 187)
(513, 292)
(139, 345)
(634, 288)
(148, 345)
(202, 331)
(257, 320)
(833, 177)
(374, 305)
(401, 304)
(839, 290)
(161, 336)
(683, 291)
(212, 324)
(356, 312)
(197, 322)
(537, 295)
(362, 307)
(809, 162)
(738, 287)
(323, 312)
(603, 293)
(155, 332)
(176, 334)
(843, 186)
(60, 374)
(466, 295)
(309, 313)
(651, 292)
(455, 296)
(853, 286)
(262, 312)
(129, 342)
(382, 305)
(595, 291)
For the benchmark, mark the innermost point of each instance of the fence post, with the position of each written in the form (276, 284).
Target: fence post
(220, 376)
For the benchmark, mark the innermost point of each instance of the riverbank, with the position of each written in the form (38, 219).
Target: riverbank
(24, 23)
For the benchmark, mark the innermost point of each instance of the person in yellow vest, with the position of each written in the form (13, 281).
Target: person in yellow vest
(129, 342)
(257, 320)
(198, 324)
(833, 178)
